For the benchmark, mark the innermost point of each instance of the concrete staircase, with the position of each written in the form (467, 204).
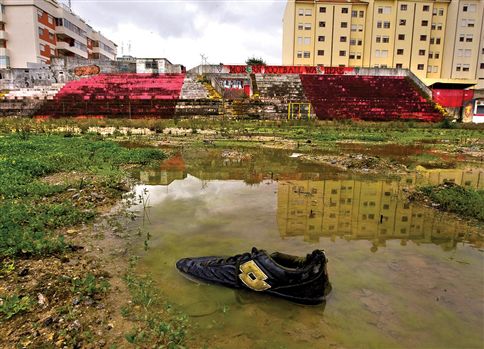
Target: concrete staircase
(193, 89)
(276, 92)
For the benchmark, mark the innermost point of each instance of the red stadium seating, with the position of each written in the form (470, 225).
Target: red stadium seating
(367, 98)
(118, 95)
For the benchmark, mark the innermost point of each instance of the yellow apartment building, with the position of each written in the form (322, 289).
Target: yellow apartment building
(438, 40)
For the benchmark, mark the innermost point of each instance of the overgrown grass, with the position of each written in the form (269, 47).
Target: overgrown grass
(466, 202)
(158, 324)
(30, 209)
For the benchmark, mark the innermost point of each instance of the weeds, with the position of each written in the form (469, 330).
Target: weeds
(11, 306)
(89, 286)
(463, 201)
(156, 325)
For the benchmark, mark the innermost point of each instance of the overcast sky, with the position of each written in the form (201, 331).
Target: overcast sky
(226, 31)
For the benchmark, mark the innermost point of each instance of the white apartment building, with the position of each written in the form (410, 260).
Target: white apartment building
(33, 31)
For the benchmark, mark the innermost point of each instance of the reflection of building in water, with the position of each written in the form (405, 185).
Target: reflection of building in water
(466, 178)
(370, 210)
(172, 169)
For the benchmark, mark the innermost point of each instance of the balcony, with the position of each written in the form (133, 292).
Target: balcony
(67, 32)
(3, 52)
(65, 49)
(103, 52)
(3, 35)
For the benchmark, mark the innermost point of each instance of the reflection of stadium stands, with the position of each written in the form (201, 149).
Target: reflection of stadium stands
(366, 98)
(369, 210)
(118, 95)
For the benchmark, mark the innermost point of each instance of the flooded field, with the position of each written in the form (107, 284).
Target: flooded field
(403, 275)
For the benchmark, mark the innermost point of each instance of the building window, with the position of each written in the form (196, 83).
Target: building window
(437, 55)
(41, 31)
(481, 66)
(320, 52)
(322, 24)
(344, 24)
(429, 69)
(301, 12)
(385, 39)
(467, 53)
(322, 10)
(436, 69)
(307, 41)
(432, 41)
(379, 24)
(403, 7)
(307, 54)
(398, 66)
(400, 51)
(299, 40)
(40, 14)
(352, 55)
(439, 26)
(360, 28)
(423, 37)
(354, 27)
(307, 26)
(425, 23)
(358, 56)
(421, 52)
(360, 42)
(420, 67)
(469, 37)
(434, 12)
(344, 10)
(300, 26)
(401, 36)
(42, 47)
(354, 14)
(458, 67)
(353, 42)
(309, 12)
(342, 53)
(378, 38)
(50, 19)
(299, 54)
(431, 55)
(51, 37)
(342, 39)
(437, 41)
(321, 38)
(433, 26)
(386, 25)
(362, 14)
(441, 12)
(469, 8)
(403, 22)
(425, 8)
(465, 67)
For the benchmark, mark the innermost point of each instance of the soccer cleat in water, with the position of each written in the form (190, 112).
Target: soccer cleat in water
(299, 279)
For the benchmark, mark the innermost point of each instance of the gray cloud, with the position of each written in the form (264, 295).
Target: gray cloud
(243, 21)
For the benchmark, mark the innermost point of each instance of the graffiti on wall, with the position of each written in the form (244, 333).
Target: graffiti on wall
(87, 70)
(273, 69)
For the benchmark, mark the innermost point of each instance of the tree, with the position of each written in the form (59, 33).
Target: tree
(255, 61)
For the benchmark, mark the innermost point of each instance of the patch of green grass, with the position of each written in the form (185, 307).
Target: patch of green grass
(466, 202)
(30, 209)
(13, 305)
(89, 286)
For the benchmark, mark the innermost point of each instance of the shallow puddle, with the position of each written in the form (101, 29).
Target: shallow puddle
(403, 275)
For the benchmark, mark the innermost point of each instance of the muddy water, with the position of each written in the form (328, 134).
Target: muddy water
(403, 275)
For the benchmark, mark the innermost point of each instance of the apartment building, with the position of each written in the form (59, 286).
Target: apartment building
(438, 40)
(33, 31)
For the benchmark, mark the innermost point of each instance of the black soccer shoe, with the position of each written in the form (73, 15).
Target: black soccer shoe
(298, 279)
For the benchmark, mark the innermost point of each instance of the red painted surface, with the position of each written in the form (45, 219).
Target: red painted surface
(44, 19)
(47, 38)
(452, 98)
(378, 98)
(117, 95)
(268, 69)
